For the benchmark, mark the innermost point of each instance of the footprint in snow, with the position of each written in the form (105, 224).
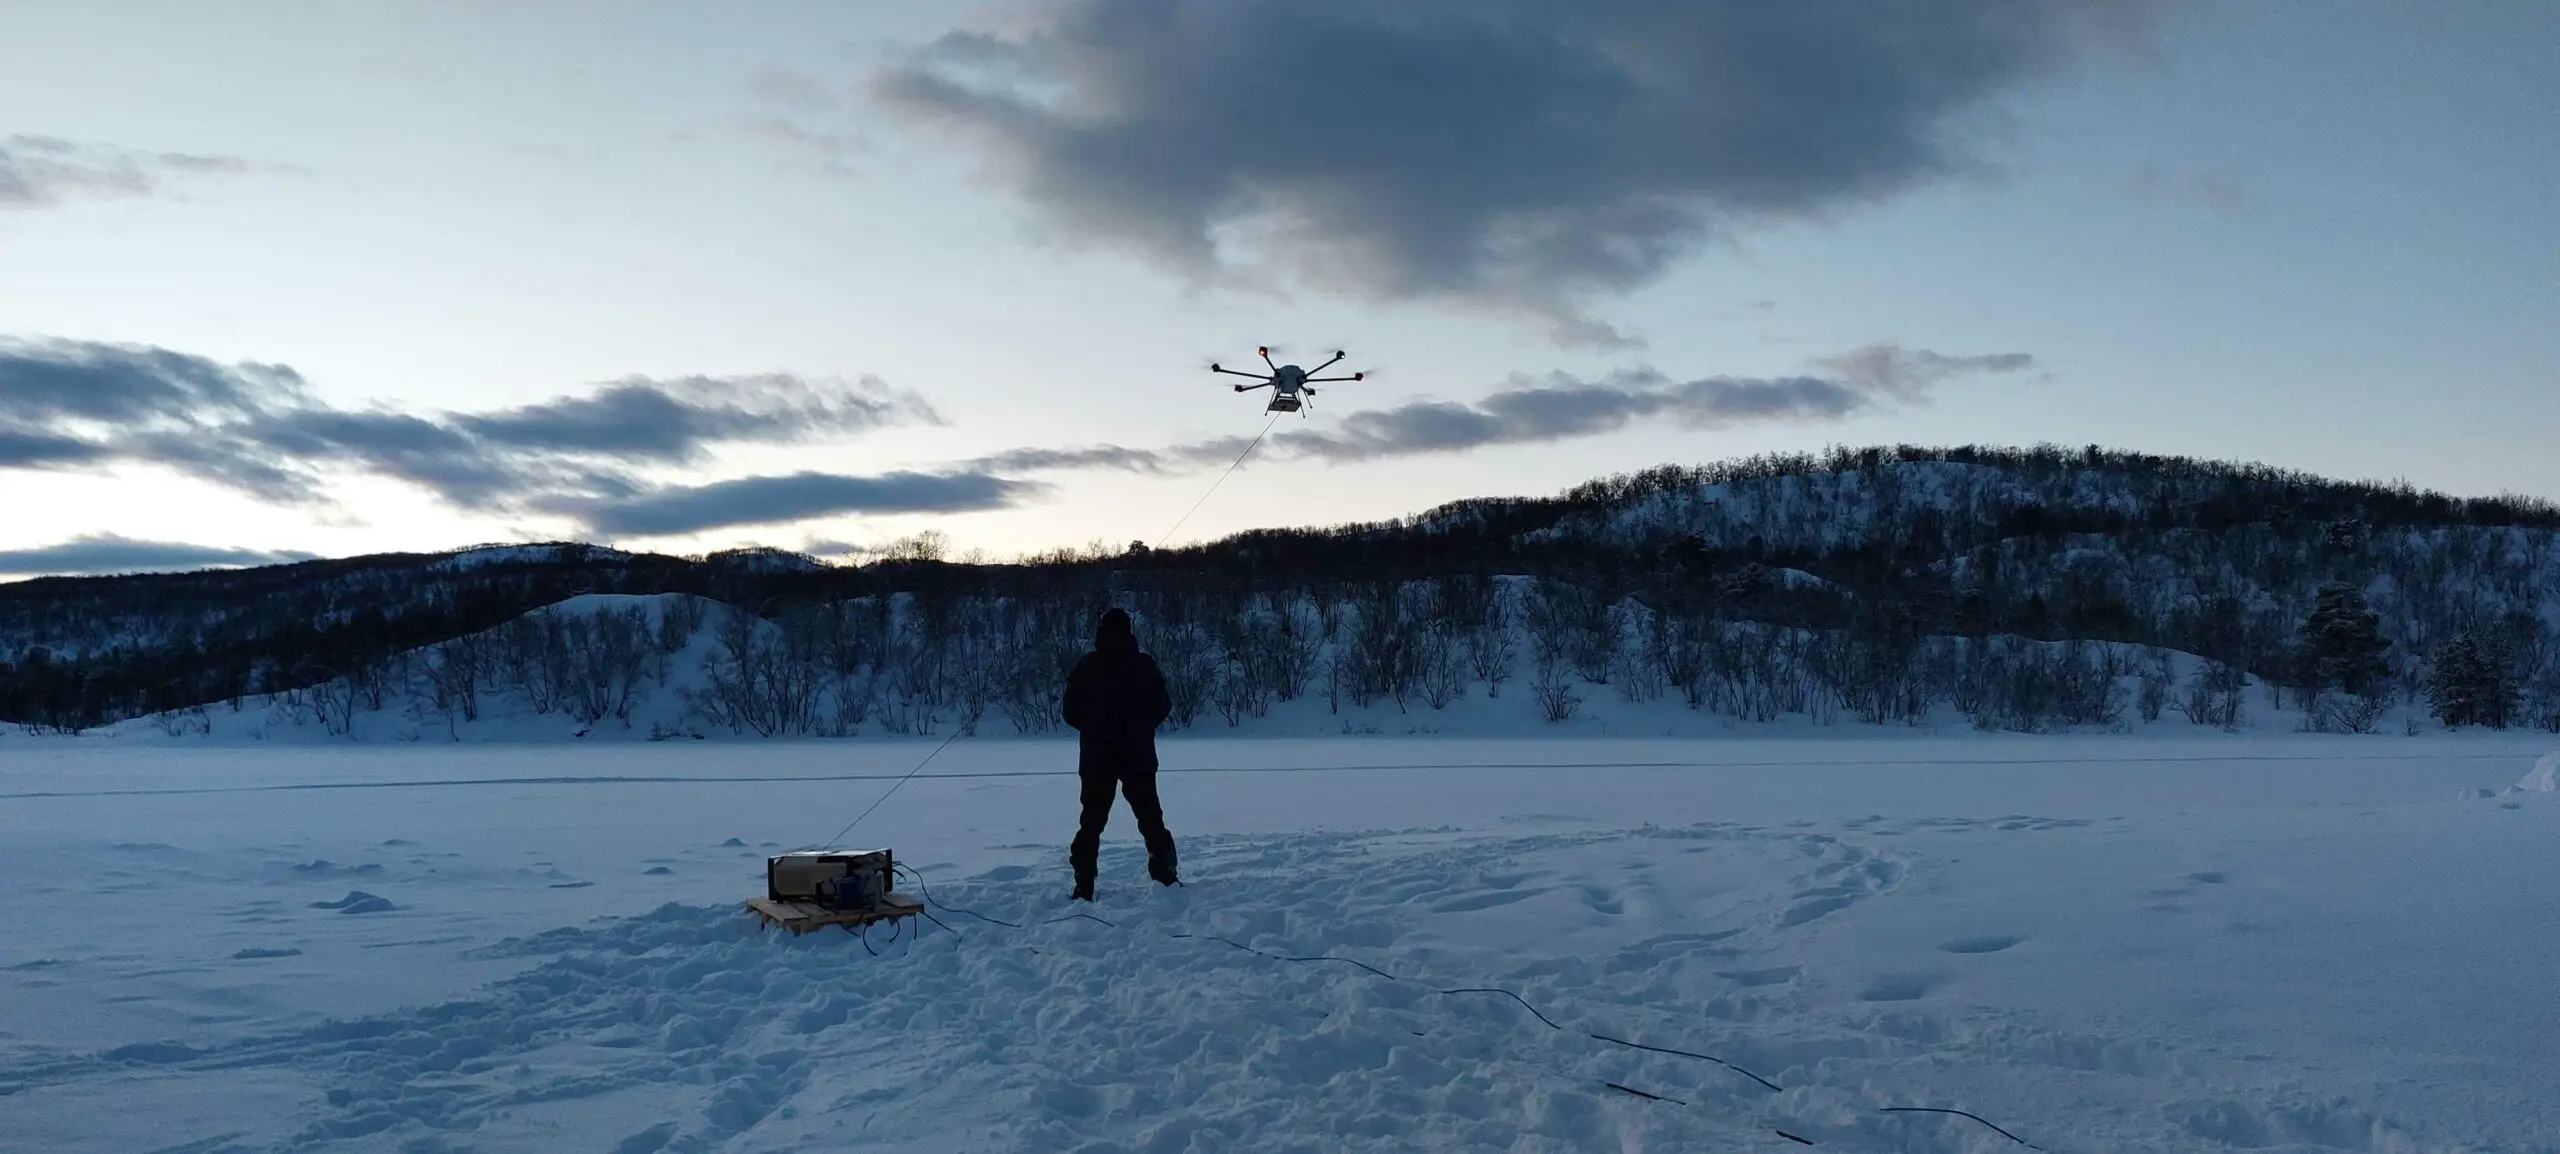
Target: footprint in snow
(648, 1141)
(1470, 903)
(1986, 944)
(1806, 911)
(1899, 988)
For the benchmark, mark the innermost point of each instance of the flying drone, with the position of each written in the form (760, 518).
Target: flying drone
(1289, 384)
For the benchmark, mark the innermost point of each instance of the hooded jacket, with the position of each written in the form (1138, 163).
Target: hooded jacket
(1115, 699)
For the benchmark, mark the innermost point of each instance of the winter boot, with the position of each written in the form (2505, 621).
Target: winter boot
(1084, 890)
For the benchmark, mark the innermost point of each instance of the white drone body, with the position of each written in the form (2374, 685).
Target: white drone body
(1290, 385)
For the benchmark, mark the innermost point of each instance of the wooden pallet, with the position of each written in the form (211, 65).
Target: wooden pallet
(802, 917)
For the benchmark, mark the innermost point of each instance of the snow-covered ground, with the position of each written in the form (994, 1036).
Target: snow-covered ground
(2108, 943)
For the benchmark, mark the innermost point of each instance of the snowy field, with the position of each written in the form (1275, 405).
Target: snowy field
(2096, 944)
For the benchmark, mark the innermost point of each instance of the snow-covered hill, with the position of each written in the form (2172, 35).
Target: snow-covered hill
(1838, 563)
(611, 667)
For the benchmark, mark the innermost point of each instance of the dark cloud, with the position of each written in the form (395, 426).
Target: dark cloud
(1563, 407)
(40, 450)
(670, 420)
(1180, 457)
(258, 429)
(1566, 407)
(43, 171)
(830, 547)
(677, 510)
(1517, 151)
(109, 553)
(1908, 373)
(44, 381)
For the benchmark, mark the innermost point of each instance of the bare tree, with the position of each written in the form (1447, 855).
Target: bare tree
(2153, 694)
(1281, 644)
(1190, 663)
(454, 672)
(757, 682)
(1551, 686)
(1674, 650)
(2215, 694)
(605, 659)
(1442, 661)
(1493, 650)
(337, 701)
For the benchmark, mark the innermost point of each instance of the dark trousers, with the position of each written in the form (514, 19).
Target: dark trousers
(1140, 786)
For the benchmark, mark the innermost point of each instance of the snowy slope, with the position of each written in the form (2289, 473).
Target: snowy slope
(405, 710)
(669, 684)
(542, 554)
(2100, 944)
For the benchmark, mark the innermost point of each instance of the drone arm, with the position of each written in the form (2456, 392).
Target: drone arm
(1352, 377)
(1250, 388)
(1328, 364)
(1235, 373)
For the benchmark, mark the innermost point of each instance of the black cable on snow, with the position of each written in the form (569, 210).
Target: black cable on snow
(1216, 938)
(1995, 1127)
(1687, 1054)
(1072, 917)
(1345, 961)
(927, 894)
(1524, 1004)
(1643, 1094)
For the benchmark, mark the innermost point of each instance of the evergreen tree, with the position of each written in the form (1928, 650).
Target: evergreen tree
(2343, 640)
(2470, 684)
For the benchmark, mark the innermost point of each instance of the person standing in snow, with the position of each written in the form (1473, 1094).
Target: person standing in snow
(1115, 699)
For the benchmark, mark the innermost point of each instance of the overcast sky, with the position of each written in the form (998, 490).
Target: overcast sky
(281, 280)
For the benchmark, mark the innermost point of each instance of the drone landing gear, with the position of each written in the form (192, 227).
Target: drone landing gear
(1288, 383)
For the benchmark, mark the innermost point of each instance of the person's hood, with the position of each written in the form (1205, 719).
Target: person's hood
(1113, 631)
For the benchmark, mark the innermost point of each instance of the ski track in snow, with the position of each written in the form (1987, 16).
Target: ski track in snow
(687, 1029)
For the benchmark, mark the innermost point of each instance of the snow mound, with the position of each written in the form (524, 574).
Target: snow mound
(2545, 777)
(356, 902)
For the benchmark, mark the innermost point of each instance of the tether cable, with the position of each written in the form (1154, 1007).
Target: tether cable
(1222, 479)
(911, 775)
